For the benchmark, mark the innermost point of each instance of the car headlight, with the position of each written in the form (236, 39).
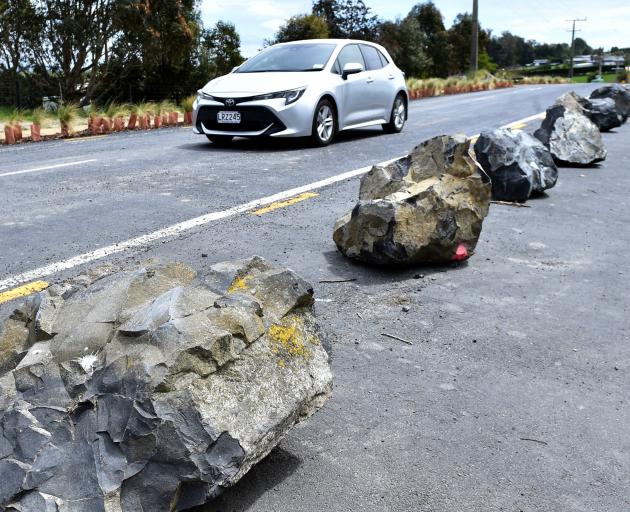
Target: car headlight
(290, 96)
(204, 96)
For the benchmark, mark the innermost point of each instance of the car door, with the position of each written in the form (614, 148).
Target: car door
(380, 96)
(355, 89)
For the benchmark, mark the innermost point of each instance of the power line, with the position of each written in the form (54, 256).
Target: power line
(573, 31)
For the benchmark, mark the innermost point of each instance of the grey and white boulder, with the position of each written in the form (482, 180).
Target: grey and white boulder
(619, 94)
(603, 112)
(427, 207)
(154, 388)
(569, 134)
(518, 164)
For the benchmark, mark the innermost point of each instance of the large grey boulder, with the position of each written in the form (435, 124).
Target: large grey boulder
(518, 164)
(619, 94)
(152, 389)
(427, 207)
(603, 112)
(569, 134)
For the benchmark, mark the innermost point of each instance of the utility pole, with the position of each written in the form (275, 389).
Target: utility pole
(474, 43)
(573, 31)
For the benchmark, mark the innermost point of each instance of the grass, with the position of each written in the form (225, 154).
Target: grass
(187, 103)
(583, 79)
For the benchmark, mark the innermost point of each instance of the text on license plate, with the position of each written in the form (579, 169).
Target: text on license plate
(228, 117)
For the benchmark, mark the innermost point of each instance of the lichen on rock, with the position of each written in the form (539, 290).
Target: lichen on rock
(153, 388)
(420, 209)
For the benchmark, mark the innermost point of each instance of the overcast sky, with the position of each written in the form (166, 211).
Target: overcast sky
(608, 21)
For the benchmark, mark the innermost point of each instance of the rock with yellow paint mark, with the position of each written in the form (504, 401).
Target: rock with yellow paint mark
(425, 208)
(154, 388)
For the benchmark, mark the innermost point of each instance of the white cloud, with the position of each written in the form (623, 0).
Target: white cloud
(273, 24)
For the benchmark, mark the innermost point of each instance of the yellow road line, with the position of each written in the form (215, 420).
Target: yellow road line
(287, 202)
(23, 291)
(518, 126)
(87, 137)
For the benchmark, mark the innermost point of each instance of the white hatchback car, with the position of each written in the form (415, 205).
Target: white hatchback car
(312, 88)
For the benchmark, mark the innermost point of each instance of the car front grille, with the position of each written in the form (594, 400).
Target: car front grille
(253, 119)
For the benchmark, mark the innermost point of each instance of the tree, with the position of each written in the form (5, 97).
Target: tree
(305, 26)
(431, 23)
(510, 50)
(347, 18)
(459, 37)
(20, 25)
(154, 48)
(224, 47)
(74, 39)
(405, 42)
(582, 47)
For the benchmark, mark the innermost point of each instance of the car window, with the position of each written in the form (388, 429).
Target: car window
(372, 59)
(335, 68)
(384, 60)
(350, 53)
(289, 57)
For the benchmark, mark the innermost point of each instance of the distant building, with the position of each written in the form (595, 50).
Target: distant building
(583, 61)
(614, 60)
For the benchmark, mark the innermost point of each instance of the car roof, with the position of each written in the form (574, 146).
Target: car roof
(338, 42)
(328, 41)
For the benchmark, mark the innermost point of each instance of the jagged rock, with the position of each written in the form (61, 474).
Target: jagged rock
(619, 94)
(427, 207)
(569, 134)
(603, 113)
(153, 388)
(517, 163)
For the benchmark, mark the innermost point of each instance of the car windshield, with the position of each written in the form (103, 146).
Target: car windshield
(289, 57)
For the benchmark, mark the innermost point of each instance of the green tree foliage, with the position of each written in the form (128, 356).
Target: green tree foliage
(74, 39)
(347, 18)
(157, 38)
(459, 37)
(20, 26)
(437, 46)
(582, 47)
(509, 50)
(224, 48)
(305, 26)
(406, 43)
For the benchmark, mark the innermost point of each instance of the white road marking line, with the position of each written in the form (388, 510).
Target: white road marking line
(47, 167)
(176, 229)
(187, 225)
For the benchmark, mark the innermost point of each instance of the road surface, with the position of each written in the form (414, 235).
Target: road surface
(513, 395)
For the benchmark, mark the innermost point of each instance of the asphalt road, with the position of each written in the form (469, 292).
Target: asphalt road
(513, 396)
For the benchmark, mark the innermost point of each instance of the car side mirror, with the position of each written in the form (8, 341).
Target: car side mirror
(351, 68)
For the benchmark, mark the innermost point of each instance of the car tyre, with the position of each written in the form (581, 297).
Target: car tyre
(220, 140)
(324, 124)
(398, 116)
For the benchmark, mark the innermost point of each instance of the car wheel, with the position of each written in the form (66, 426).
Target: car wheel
(220, 140)
(324, 124)
(397, 117)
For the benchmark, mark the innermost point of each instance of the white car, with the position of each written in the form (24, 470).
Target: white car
(312, 88)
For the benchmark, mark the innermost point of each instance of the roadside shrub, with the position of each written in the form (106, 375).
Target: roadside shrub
(187, 103)
(38, 116)
(67, 114)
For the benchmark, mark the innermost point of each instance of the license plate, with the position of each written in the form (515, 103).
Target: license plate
(229, 117)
